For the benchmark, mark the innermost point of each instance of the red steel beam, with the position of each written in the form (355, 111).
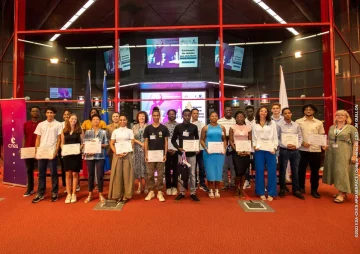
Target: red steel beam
(221, 56)
(268, 26)
(332, 59)
(117, 71)
(346, 44)
(15, 49)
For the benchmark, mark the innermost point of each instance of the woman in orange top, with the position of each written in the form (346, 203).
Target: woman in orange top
(86, 125)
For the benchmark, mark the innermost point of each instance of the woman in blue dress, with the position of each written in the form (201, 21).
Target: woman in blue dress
(213, 162)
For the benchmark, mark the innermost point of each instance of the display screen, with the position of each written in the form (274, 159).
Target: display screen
(124, 59)
(158, 99)
(60, 93)
(233, 57)
(172, 52)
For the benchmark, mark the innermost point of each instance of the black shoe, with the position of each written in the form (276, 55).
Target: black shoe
(299, 195)
(286, 189)
(179, 197)
(204, 188)
(315, 194)
(195, 198)
(302, 191)
(282, 193)
(54, 197)
(28, 193)
(37, 199)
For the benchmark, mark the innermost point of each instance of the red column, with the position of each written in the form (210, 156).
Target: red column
(221, 56)
(117, 72)
(19, 48)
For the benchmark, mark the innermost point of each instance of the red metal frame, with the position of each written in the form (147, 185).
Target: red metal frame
(221, 66)
(117, 72)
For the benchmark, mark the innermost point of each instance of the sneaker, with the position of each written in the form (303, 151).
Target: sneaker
(160, 196)
(246, 185)
(37, 199)
(282, 193)
(78, 188)
(204, 188)
(299, 195)
(217, 193)
(179, 197)
(168, 192)
(195, 198)
(225, 187)
(211, 194)
(73, 198)
(28, 193)
(174, 191)
(150, 196)
(287, 189)
(54, 197)
(68, 199)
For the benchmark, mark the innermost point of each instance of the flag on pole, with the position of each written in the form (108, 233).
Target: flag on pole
(105, 117)
(87, 99)
(283, 99)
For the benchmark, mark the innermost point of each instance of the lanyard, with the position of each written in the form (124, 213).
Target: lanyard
(337, 132)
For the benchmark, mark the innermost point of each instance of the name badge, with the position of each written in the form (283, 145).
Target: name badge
(152, 137)
(335, 145)
(186, 134)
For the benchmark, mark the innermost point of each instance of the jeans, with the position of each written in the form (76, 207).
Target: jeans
(294, 157)
(150, 170)
(30, 166)
(192, 180)
(228, 164)
(99, 166)
(314, 159)
(171, 164)
(262, 158)
(42, 165)
(200, 164)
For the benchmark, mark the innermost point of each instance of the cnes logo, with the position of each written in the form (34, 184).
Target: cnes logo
(13, 143)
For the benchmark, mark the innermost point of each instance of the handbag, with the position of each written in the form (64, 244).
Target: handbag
(183, 171)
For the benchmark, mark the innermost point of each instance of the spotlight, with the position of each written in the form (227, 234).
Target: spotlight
(54, 60)
(298, 54)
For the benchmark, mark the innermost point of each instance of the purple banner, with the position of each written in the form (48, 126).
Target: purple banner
(13, 118)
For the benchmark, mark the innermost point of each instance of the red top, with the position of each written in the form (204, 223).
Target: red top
(29, 129)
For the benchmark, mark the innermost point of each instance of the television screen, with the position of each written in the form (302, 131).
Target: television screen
(157, 99)
(172, 52)
(233, 57)
(60, 93)
(124, 59)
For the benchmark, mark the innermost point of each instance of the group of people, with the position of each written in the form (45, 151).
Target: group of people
(217, 153)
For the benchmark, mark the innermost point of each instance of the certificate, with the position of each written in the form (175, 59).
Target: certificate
(123, 147)
(243, 146)
(317, 139)
(27, 153)
(266, 145)
(70, 149)
(92, 147)
(216, 147)
(155, 155)
(191, 145)
(45, 152)
(290, 139)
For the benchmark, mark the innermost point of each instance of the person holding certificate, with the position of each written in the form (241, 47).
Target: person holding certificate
(310, 153)
(188, 136)
(265, 143)
(290, 139)
(213, 139)
(71, 140)
(29, 141)
(122, 174)
(95, 156)
(240, 140)
(156, 145)
(341, 156)
(46, 148)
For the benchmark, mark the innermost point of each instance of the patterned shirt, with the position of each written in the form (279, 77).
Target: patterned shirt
(101, 135)
(171, 128)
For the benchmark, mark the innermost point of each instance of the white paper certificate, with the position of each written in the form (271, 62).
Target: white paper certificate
(266, 145)
(243, 146)
(27, 153)
(290, 139)
(92, 147)
(191, 145)
(216, 147)
(70, 149)
(155, 155)
(45, 152)
(123, 147)
(317, 139)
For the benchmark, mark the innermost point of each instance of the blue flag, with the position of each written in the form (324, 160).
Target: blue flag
(105, 117)
(87, 99)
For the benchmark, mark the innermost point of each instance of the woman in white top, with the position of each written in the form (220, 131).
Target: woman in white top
(122, 175)
(265, 143)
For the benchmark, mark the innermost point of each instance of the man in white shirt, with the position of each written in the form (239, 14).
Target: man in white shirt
(310, 154)
(227, 122)
(250, 120)
(48, 136)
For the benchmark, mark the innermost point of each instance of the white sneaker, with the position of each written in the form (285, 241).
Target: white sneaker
(160, 196)
(68, 199)
(73, 198)
(174, 191)
(246, 185)
(150, 196)
(217, 194)
(211, 194)
(168, 192)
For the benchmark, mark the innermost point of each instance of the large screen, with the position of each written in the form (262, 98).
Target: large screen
(124, 59)
(158, 99)
(172, 52)
(60, 93)
(233, 57)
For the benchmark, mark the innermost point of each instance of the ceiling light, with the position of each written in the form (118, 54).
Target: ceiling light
(36, 43)
(311, 36)
(91, 47)
(54, 37)
(297, 54)
(54, 60)
(254, 43)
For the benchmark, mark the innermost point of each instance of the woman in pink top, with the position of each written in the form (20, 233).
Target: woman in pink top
(241, 158)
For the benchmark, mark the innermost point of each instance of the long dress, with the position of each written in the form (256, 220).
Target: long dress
(139, 157)
(72, 162)
(338, 169)
(213, 162)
